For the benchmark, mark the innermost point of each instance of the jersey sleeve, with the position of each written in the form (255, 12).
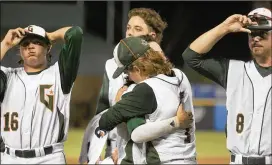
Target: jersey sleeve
(69, 58)
(137, 103)
(134, 123)
(103, 98)
(144, 132)
(214, 69)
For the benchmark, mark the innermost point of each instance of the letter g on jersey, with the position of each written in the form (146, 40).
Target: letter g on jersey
(47, 96)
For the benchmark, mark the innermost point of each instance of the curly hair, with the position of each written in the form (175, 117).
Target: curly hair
(151, 64)
(152, 19)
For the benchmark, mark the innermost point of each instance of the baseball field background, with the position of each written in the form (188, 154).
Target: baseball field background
(104, 24)
(210, 118)
(211, 148)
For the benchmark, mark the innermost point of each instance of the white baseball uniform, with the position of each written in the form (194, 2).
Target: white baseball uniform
(249, 112)
(166, 89)
(36, 107)
(248, 89)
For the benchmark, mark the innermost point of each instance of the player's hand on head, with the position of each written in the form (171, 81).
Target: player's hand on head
(184, 118)
(14, 36)
(50, 37)
(238, 23)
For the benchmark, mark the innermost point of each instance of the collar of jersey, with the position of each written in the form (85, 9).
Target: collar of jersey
(35, 73)
(173, 80)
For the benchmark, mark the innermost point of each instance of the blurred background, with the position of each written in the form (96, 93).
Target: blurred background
(104, 24)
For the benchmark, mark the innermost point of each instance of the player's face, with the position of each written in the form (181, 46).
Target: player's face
(137, 27)
(134, 75)
(33, 52)
(260, 43)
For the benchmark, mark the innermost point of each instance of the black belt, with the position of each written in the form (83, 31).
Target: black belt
(249, 160)
(30, 153)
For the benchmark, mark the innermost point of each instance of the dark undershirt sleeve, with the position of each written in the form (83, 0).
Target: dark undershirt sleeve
(137, 103)
(69, 58)
(103, 98)
(214, 69)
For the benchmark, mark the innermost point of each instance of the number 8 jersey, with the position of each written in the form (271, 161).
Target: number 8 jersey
(249, 110)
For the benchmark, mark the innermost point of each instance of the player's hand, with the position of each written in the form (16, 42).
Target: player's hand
(114, 156)
(51, 36)
(13, 37)
(120, 93)
(98, 161)
(184, 118)
(237, 23)
(102, 133)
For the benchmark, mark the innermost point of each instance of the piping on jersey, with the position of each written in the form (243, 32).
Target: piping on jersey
(263, 120)
(24, 106)
(252, 96)
(171, 83)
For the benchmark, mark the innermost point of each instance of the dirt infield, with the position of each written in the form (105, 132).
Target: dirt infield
(215, 160)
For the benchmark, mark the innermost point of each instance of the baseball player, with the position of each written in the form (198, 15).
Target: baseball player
(156, 84)
(142, 21)
(248, 84)
(35, 108)
(95, 144)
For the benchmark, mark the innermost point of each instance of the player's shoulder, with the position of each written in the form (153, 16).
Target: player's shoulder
(184, 81)
(236, 67)
(181, 75)
(11, 70)
(237, 63)
(111, 63)
(55, 67)
(110, 67)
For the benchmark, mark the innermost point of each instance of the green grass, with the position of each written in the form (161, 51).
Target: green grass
(211, 144)
(72, 146)
(208, 144)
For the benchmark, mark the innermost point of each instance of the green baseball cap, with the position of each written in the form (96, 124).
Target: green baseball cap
(128, 50)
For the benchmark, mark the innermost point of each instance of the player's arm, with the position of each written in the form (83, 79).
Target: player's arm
(12, 38)
(4, 49)
(143, 132)
(103, 98)
(137, 103)
(214, 69)
(69, 55)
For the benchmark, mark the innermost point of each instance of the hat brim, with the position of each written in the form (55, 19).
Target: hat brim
(29, 35)
(259, 27)
(118, 72)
